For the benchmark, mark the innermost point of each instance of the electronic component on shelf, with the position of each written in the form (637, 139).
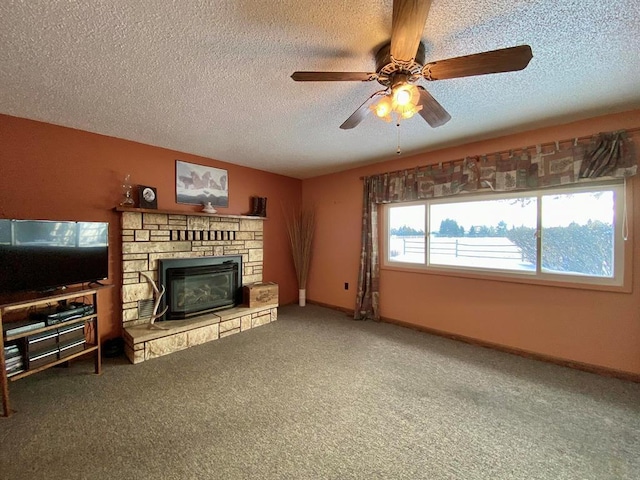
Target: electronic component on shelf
(71, 333)
(14, 363)
(71, 347)
(42, 358)
(23, 326)
(68, 312)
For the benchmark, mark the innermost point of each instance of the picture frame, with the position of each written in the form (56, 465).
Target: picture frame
(199, 184)
(147, 197)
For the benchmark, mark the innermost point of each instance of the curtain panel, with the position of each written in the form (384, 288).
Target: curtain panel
(605, 155)
(369, 275)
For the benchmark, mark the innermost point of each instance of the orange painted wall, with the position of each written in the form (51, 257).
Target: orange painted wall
(593, 327)
(56, 173)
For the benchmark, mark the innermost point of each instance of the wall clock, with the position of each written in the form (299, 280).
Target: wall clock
(148, 196)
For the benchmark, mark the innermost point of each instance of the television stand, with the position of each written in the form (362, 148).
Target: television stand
(30, 345)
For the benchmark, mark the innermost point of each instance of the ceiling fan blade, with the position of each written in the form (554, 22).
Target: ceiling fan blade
(409, 18)
(434, 113)
(495, 61)
(333, 76)
(362, 111)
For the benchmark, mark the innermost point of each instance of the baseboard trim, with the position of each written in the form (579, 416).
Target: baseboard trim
(346, 311)
(586, 367)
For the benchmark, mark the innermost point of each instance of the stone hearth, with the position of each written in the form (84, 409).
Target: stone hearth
(142, 344)
(150, 236)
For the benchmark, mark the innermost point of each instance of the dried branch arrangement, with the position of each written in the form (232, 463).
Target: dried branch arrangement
(301, 224)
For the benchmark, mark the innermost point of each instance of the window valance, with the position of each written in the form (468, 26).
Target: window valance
(604, 155)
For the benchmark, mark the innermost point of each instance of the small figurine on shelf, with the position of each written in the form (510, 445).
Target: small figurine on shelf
(208, 208)
(127, 200)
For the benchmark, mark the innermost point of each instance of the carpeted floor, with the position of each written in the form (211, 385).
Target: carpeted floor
(316, 395)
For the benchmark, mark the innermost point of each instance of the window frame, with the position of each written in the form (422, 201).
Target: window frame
(621, 281)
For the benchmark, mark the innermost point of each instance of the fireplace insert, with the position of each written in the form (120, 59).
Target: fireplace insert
(200, 285)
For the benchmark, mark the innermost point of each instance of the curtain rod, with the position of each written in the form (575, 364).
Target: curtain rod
(630, 131)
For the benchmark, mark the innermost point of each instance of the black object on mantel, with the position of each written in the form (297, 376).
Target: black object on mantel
(258, 207)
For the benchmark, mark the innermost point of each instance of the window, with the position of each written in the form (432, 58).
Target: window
(570, 234)
(406, 233)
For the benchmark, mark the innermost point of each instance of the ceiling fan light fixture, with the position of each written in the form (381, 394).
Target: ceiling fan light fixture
(383, 108)
(399, 104)
(404, 95)
(408, 111)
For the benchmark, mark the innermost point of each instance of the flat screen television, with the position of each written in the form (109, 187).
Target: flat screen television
(41, 255)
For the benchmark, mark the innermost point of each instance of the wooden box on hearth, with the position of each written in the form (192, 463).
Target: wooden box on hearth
(260, 294)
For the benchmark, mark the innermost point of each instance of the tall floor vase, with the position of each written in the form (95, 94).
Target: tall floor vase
(302, 297)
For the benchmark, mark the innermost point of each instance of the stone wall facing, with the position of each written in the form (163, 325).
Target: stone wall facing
(148, 237)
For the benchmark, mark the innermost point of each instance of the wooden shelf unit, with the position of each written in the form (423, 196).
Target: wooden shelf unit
(19, 306)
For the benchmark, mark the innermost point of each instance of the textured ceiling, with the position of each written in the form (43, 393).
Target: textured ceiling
(212, 77)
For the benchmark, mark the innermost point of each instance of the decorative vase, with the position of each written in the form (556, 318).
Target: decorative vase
(302, 297)
(127, 200)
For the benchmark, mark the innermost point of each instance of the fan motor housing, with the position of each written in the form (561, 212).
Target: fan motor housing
(387, 67)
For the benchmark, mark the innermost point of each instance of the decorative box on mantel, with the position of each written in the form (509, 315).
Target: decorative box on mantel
(151, 235)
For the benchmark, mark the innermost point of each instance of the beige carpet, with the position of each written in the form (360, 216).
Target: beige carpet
(316, 395)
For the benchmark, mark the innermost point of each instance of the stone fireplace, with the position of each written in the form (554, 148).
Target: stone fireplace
(203, 259)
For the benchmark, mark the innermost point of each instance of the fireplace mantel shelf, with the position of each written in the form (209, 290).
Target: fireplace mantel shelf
(193, 214)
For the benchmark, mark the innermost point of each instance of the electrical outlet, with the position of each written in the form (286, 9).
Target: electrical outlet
(346, 285)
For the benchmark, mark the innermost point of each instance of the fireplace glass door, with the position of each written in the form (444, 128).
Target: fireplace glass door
(195, 290)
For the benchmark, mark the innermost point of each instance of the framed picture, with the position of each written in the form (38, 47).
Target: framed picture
(197, 184)
(147, 197)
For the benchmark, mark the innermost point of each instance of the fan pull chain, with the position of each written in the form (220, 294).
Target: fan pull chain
(398, 151)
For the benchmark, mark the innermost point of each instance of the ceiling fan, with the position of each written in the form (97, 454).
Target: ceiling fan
(400, 63)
